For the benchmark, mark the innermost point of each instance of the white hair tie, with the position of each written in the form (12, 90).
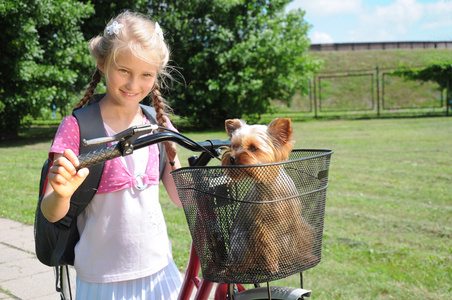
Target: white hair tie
(114, 28)
(158, 30)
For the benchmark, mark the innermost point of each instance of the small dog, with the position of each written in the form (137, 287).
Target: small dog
(264, 236)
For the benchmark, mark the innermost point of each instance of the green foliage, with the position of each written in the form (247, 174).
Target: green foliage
(43, 53)
(440, 72)
(235, 56)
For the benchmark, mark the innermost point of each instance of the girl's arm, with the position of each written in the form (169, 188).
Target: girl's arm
(168, 181)
(63, 180)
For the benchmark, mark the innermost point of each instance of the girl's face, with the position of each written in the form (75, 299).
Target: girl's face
(130, 79)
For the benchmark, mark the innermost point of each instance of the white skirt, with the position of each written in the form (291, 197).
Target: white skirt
(162, 285)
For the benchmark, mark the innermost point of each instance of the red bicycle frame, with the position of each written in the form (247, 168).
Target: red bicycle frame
(204, 287)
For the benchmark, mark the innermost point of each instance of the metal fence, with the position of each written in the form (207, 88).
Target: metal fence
(371, 91)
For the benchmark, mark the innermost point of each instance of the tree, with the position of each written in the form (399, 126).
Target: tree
(236, 56)
(439, 72)
(43, 55)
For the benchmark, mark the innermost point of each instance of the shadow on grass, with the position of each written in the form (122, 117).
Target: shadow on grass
(33, 135)
(45, 133)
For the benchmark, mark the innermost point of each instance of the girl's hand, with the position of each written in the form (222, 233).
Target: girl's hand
(63, 176)
(63, 180)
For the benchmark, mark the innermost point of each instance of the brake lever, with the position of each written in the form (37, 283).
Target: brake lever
(124, 138)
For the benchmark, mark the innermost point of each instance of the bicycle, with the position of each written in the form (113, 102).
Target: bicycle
(206, 192)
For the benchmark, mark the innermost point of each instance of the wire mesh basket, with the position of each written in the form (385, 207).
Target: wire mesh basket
(258, 223)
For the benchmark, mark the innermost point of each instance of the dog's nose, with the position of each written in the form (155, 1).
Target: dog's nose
(232, 160)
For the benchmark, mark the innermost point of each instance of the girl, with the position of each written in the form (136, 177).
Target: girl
(124, 251)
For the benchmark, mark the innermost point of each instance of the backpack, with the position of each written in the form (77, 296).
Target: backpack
(55, 242)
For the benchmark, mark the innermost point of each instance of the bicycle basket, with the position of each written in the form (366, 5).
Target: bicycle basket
(256, 223)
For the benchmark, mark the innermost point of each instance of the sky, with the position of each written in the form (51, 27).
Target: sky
(347, 21)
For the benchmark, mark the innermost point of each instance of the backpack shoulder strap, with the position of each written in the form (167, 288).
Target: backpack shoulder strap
(91, 126)
(151, 115)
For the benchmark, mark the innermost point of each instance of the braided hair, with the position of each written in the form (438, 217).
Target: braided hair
(161, 106)
(97, 77)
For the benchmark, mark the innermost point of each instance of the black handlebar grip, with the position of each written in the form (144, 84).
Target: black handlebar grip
(98, 156)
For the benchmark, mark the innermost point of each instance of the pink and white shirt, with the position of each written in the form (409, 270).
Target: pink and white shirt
(123, 234)
(115, 176)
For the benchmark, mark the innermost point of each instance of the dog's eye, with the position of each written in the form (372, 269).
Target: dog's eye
(252, 148)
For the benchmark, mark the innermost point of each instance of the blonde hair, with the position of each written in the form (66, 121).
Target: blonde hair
(139, 35)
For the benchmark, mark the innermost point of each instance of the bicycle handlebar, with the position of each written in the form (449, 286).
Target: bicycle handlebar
(113, 151)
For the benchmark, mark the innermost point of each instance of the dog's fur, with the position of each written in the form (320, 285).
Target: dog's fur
(276, 232)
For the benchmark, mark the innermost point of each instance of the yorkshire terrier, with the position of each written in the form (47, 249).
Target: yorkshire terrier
(273, 233)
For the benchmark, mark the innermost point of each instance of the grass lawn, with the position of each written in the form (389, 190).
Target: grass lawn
(388, 224)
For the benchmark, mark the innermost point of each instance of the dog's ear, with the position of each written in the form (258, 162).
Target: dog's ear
(232, 125)
(282, 129)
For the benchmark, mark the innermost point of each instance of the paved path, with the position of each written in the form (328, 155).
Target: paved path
(22, 276)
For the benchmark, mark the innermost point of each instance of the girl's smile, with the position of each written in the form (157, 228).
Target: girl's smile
(129, 94)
